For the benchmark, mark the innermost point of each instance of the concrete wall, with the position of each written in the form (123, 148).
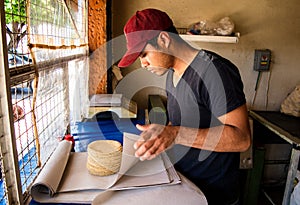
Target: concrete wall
(271, 24)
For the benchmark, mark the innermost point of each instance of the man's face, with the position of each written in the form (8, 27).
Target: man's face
(155, 60)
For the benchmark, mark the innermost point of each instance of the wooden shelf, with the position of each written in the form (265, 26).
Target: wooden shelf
(211, 39)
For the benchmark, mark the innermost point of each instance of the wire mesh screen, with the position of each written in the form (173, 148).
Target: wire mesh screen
(57, 28)
(47, 51)
(24, 131)
(51, 113)
(3, 190)
(57, 35)
(16, 31)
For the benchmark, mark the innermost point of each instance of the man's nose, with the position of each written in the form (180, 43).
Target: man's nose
(144, 62)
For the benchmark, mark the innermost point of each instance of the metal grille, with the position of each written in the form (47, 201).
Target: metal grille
(43, 37)
(3, 190)
(57, 29)
(24, 132)
(51, 113)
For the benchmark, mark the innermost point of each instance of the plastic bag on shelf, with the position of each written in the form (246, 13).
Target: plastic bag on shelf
(291, 104)
(223, 27)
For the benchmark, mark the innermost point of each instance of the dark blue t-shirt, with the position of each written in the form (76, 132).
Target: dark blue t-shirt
(209, 88)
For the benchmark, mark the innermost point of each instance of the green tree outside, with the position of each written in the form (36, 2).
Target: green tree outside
(15, 14)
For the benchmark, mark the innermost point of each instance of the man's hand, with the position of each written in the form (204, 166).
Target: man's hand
(154, 139)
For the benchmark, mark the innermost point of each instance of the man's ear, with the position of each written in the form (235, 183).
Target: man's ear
(164, 39)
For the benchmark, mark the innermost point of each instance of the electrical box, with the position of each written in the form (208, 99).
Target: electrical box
(262, 59)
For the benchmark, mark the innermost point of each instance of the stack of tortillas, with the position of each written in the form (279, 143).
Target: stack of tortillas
(104, 157)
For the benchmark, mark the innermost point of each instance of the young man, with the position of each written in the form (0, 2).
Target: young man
(206, 107)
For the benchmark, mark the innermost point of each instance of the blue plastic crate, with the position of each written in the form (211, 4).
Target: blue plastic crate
(87, 132)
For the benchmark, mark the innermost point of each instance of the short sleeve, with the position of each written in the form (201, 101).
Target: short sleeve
(224, 87)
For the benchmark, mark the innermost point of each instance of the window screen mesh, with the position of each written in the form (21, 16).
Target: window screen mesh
(57, 28)
(3, 190)
(47, 50)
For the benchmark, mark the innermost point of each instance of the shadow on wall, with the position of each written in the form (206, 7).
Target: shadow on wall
(139, 84)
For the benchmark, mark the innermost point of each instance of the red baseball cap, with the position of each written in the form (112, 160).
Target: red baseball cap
(139, 29)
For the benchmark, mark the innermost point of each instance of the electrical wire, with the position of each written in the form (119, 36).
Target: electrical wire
(255, 89)
(267, 90)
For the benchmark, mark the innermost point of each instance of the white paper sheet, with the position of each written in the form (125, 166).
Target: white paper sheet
(179, 194)
(66, 179)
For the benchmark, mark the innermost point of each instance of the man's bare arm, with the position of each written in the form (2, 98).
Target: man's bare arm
(232, 136)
